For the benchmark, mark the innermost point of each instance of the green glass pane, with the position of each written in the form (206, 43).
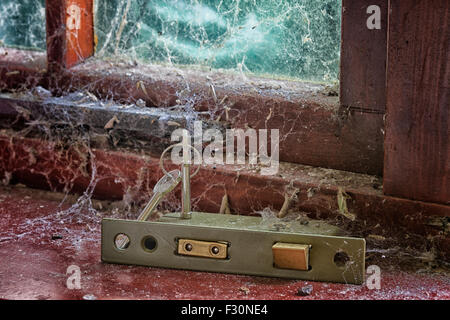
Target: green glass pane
(280, 38)
(22, 23)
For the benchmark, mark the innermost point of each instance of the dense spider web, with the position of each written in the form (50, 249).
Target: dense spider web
(289, 38)
(297, 39)
(22, 23)
(283, 39)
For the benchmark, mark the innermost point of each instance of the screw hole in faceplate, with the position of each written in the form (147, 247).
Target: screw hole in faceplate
(149, 244)
(341, 259)
(121, 241)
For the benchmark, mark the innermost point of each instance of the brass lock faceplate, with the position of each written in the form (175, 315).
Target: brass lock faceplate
(203, 249)
(245, 245)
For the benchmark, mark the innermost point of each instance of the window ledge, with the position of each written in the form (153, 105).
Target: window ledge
(23, 59)
(200, 81)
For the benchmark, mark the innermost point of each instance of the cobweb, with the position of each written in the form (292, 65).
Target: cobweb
(22, 24)
(297, 39)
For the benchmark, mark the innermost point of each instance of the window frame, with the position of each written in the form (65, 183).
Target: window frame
(351, 125)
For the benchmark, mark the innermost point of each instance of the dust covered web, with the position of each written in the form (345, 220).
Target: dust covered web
(297, 39)
(22, 24)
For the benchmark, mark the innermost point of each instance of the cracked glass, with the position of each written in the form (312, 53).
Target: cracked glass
(288, 39)
(22, 24)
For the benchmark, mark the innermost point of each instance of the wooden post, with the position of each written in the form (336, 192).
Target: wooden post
(70, 32)
(417, 145)
(363, 55)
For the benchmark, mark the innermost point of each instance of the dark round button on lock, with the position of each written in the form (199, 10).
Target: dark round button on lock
(188, 247)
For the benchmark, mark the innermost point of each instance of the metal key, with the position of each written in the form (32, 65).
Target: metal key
(165, 185)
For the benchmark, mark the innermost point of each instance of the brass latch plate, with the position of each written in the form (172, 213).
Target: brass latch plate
(204, 249)
(249, 247)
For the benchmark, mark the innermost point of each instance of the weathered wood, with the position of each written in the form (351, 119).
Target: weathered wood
(70, 32)
(417, 145)
(363, 56)
(305, 114)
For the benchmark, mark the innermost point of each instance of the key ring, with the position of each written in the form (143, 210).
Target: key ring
(161, 159)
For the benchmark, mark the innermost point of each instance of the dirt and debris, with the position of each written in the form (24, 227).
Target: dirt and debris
(244, 290)
(57, 237)
(376, 237)
(141, 103)
(224, 206)
(288, 199)
(111, 123)
(331, 90)
(342, 198)
(305, 291)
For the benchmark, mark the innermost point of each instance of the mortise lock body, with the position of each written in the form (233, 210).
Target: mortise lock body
(237, 244)
(228, 243)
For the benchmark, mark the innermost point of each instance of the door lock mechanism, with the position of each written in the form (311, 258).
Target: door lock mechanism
(228, 243)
